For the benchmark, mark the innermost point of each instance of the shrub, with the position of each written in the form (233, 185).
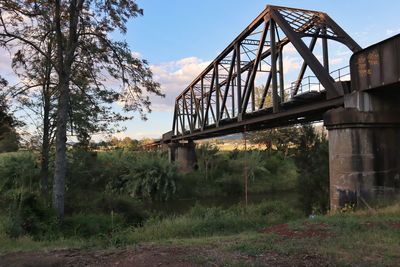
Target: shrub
(149, 176)
(131, 210)
(30, 216)
(91, 225)
(231, 184)
(312, 160)
(18, 172)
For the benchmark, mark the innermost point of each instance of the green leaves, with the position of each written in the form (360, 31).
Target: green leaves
(148, 175)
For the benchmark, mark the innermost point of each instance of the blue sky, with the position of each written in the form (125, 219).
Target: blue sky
(175, 34)
(180, 37)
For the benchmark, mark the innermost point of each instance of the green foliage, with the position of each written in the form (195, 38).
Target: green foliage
(9, 138)
(92, 225)
(312, 160)
(29, 215)
(152, 177)
(18, 174)
(149, 176)
(206, 155)
(132, 211)
(279, 138)
(202, 221)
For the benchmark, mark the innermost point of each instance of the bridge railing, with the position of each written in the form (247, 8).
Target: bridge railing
(311, 83)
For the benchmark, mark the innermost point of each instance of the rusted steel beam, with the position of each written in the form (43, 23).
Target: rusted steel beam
(304, 65)
(266, 88)
(209, 100)
(325, 54)
(250, 83)
(281, 77)
(228, 83)
(275, 100)
(238, 78)
(322, 75)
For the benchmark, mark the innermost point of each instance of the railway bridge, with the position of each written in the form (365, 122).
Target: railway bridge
(246, 88)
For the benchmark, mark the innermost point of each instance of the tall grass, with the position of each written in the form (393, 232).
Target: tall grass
(201, 222)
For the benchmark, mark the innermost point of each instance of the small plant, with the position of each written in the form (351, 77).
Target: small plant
(348, 208)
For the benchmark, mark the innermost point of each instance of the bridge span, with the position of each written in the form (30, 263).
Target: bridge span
(245, 88)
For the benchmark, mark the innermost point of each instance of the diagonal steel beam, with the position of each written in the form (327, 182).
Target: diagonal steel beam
(209, 100)
(323, 76)
(304, 66)
(266, 88)
(345, 38)
(228, 82)
(196, 106)
(250, 83)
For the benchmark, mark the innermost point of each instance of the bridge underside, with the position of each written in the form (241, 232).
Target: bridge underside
(292, 113)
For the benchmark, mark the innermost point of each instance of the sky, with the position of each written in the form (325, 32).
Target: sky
(179, 38)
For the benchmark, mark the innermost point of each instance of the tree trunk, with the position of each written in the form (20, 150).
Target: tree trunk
(44, 164)
(60, 168)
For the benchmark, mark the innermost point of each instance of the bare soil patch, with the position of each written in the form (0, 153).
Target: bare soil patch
(151, 255)
(320, 230)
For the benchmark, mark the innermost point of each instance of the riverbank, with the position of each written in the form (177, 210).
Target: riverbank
(351, 239)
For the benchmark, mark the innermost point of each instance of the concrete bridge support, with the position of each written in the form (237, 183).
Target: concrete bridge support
(184, 154)
(364, 148)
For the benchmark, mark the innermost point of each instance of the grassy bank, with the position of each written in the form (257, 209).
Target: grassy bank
(227, 238)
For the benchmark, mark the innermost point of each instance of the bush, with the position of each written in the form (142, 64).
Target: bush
(18, 172)
(131, 210)
(30, 216)
(231, 185)
(91, 225)
(149, 176)
(312, 160)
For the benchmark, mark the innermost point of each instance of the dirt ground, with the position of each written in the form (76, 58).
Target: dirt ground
(148, 256)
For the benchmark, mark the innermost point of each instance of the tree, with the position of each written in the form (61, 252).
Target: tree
(312, 160)
(80, 30)
(36, 92)
(207, 154)
(281, 138)
(8, 135)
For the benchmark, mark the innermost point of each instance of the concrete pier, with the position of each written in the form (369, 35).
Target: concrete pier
(364, 150)
(184, 155)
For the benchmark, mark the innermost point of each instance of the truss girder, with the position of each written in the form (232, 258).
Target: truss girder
(225, 90)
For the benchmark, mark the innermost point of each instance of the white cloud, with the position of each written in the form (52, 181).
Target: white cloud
(174, 77)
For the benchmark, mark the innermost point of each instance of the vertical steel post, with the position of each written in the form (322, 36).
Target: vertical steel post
(253, 97)
(325, 50)
(233, 98)
(183, 115)
(217, 92)
(191, 108)
(202, 99)
(238, 78)
(273, 68)
(281, 77)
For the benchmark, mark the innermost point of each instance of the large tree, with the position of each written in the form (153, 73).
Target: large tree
(80, 31)
(8, 133)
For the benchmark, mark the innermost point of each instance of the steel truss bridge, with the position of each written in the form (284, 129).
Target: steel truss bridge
(223, 99)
